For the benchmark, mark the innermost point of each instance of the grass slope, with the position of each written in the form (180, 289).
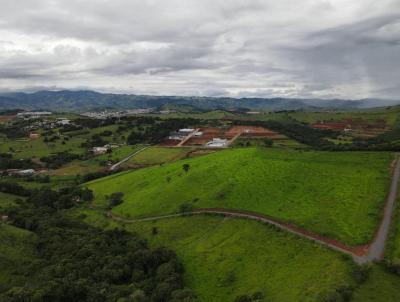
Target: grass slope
(224, 258)
(335, 194)
(159, 155)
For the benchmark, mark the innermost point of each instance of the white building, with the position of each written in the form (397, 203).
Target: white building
(17, 172)
(185, 130)
(99, 150)
(33, 114)
(62, 121)
(217, 143)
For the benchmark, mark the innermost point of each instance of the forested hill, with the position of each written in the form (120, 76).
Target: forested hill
(79, 101)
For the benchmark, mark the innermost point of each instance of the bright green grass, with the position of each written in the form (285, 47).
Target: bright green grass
(159, 155)
(381, 286)
(224, 258)
(16, 248)
(337, 194)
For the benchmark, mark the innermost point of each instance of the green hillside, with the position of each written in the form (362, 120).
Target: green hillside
(16, 249)
(225, 258)
(336, 194)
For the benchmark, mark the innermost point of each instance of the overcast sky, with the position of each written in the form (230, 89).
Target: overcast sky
(292, 48)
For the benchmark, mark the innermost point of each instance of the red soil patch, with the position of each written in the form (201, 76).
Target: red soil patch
(336, 126)
(5, 118)
(169, 142)
(353, 124)
(208, 134)
(250, 131)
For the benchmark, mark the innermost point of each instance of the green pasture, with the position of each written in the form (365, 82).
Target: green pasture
(340, 195)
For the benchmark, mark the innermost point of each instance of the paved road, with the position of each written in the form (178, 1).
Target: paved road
(113, 167)
(373, 251)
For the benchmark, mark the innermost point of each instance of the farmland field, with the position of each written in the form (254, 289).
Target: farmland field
(334, 194)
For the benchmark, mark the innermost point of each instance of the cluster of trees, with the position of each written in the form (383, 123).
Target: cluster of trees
(266, 142)
(156, 130)
(94, 175)
(15, 131)
(7, 162)
(77, 262)
(95, 141)
(59, 159)
(115, 199)
(344, 293)
(94, 123)
(317, 138)
(70, 128)
(256, 297)
(14, 188)
(299, 132)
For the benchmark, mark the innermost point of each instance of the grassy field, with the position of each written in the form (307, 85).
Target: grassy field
(77, 167)
(335, 194)
(224, 258)
(159, 155)
(25, 148)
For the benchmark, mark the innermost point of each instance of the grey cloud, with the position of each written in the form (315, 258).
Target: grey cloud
(316, 48)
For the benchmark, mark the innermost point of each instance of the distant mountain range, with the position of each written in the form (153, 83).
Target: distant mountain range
(80, 101)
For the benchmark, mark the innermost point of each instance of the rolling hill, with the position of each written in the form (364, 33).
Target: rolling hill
(79, 101)
(334, 194)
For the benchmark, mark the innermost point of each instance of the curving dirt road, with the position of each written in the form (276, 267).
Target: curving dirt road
(361, 254)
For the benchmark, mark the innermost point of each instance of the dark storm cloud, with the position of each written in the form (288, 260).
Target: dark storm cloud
(316, 48)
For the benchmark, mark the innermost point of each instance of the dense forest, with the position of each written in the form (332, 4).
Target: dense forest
(77, 262)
